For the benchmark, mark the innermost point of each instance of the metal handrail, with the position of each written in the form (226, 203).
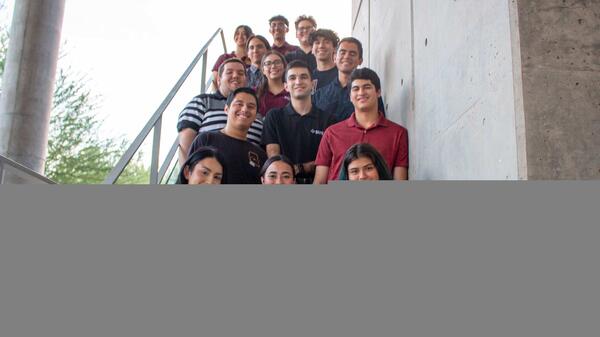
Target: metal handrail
(20, 170)
(155, 122)
(164, 168)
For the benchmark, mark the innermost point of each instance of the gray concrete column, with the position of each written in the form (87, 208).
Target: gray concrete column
(28, 82)
(560, 56)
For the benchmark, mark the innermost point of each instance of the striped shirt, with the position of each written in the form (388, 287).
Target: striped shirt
(206, 112)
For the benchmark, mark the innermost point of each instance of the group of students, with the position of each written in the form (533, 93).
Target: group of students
(291, 114)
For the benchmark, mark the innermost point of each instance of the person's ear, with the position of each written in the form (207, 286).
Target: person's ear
(312, 85)
(186, 172)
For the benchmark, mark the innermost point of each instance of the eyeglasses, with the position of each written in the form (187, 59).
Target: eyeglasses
(273, 63)
(305, 29)
(278, 25)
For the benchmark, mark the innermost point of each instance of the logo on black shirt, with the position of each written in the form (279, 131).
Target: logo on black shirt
(253, 159)
(317, 132)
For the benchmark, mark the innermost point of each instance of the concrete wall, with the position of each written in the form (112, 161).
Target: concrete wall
(447, 72)
(476, 86)
(560, 48)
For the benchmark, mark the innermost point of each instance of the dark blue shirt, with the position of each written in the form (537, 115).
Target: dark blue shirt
(335, 99)
(323, 78)
(299, 54)
(254, 76)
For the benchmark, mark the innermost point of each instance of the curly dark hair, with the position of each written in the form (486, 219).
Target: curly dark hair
(327, 34)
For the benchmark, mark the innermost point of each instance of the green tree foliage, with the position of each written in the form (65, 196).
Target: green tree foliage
(76, 153)
(3, 38)
(3, 49)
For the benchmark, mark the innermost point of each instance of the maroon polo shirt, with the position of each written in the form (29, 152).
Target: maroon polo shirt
(285, 48)
(389, 138)
(225, 57)
(269, 101)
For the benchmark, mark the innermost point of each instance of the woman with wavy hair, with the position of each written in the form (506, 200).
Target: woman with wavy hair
(363, 162)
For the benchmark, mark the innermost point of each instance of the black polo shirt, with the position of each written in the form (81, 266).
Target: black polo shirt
(298, 136)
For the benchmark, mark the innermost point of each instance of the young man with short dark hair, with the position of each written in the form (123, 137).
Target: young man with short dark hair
(305, 25)
(297, 129)
(242, 158)
(366, 125)
(279, 27)
(206, 111)
(335, 97)
(324, 43)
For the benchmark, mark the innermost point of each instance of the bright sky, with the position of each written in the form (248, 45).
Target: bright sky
(133, 52)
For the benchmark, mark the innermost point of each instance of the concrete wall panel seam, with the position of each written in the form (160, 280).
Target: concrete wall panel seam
(520, 127)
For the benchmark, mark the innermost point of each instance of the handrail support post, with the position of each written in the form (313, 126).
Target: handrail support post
(204, 65)
(155, 152)
(1, 173)
(224, 43)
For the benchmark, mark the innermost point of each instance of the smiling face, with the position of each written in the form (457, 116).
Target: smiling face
(241, 37)
(362, 168)
(278, 29)
(273, 67)
(299, 83)
(206, 171)
(256, 50)
(233, 77)
(278, 173)
(323, 49)
(364, 95)
(347, 57)
(241, 113)
(305, 27)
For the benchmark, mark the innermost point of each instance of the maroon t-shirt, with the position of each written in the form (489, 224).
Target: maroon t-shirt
(285, 48)
(389, 138)
(269, 101)
(225, 57)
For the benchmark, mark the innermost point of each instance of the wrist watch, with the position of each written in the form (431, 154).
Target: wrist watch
(299, 169)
